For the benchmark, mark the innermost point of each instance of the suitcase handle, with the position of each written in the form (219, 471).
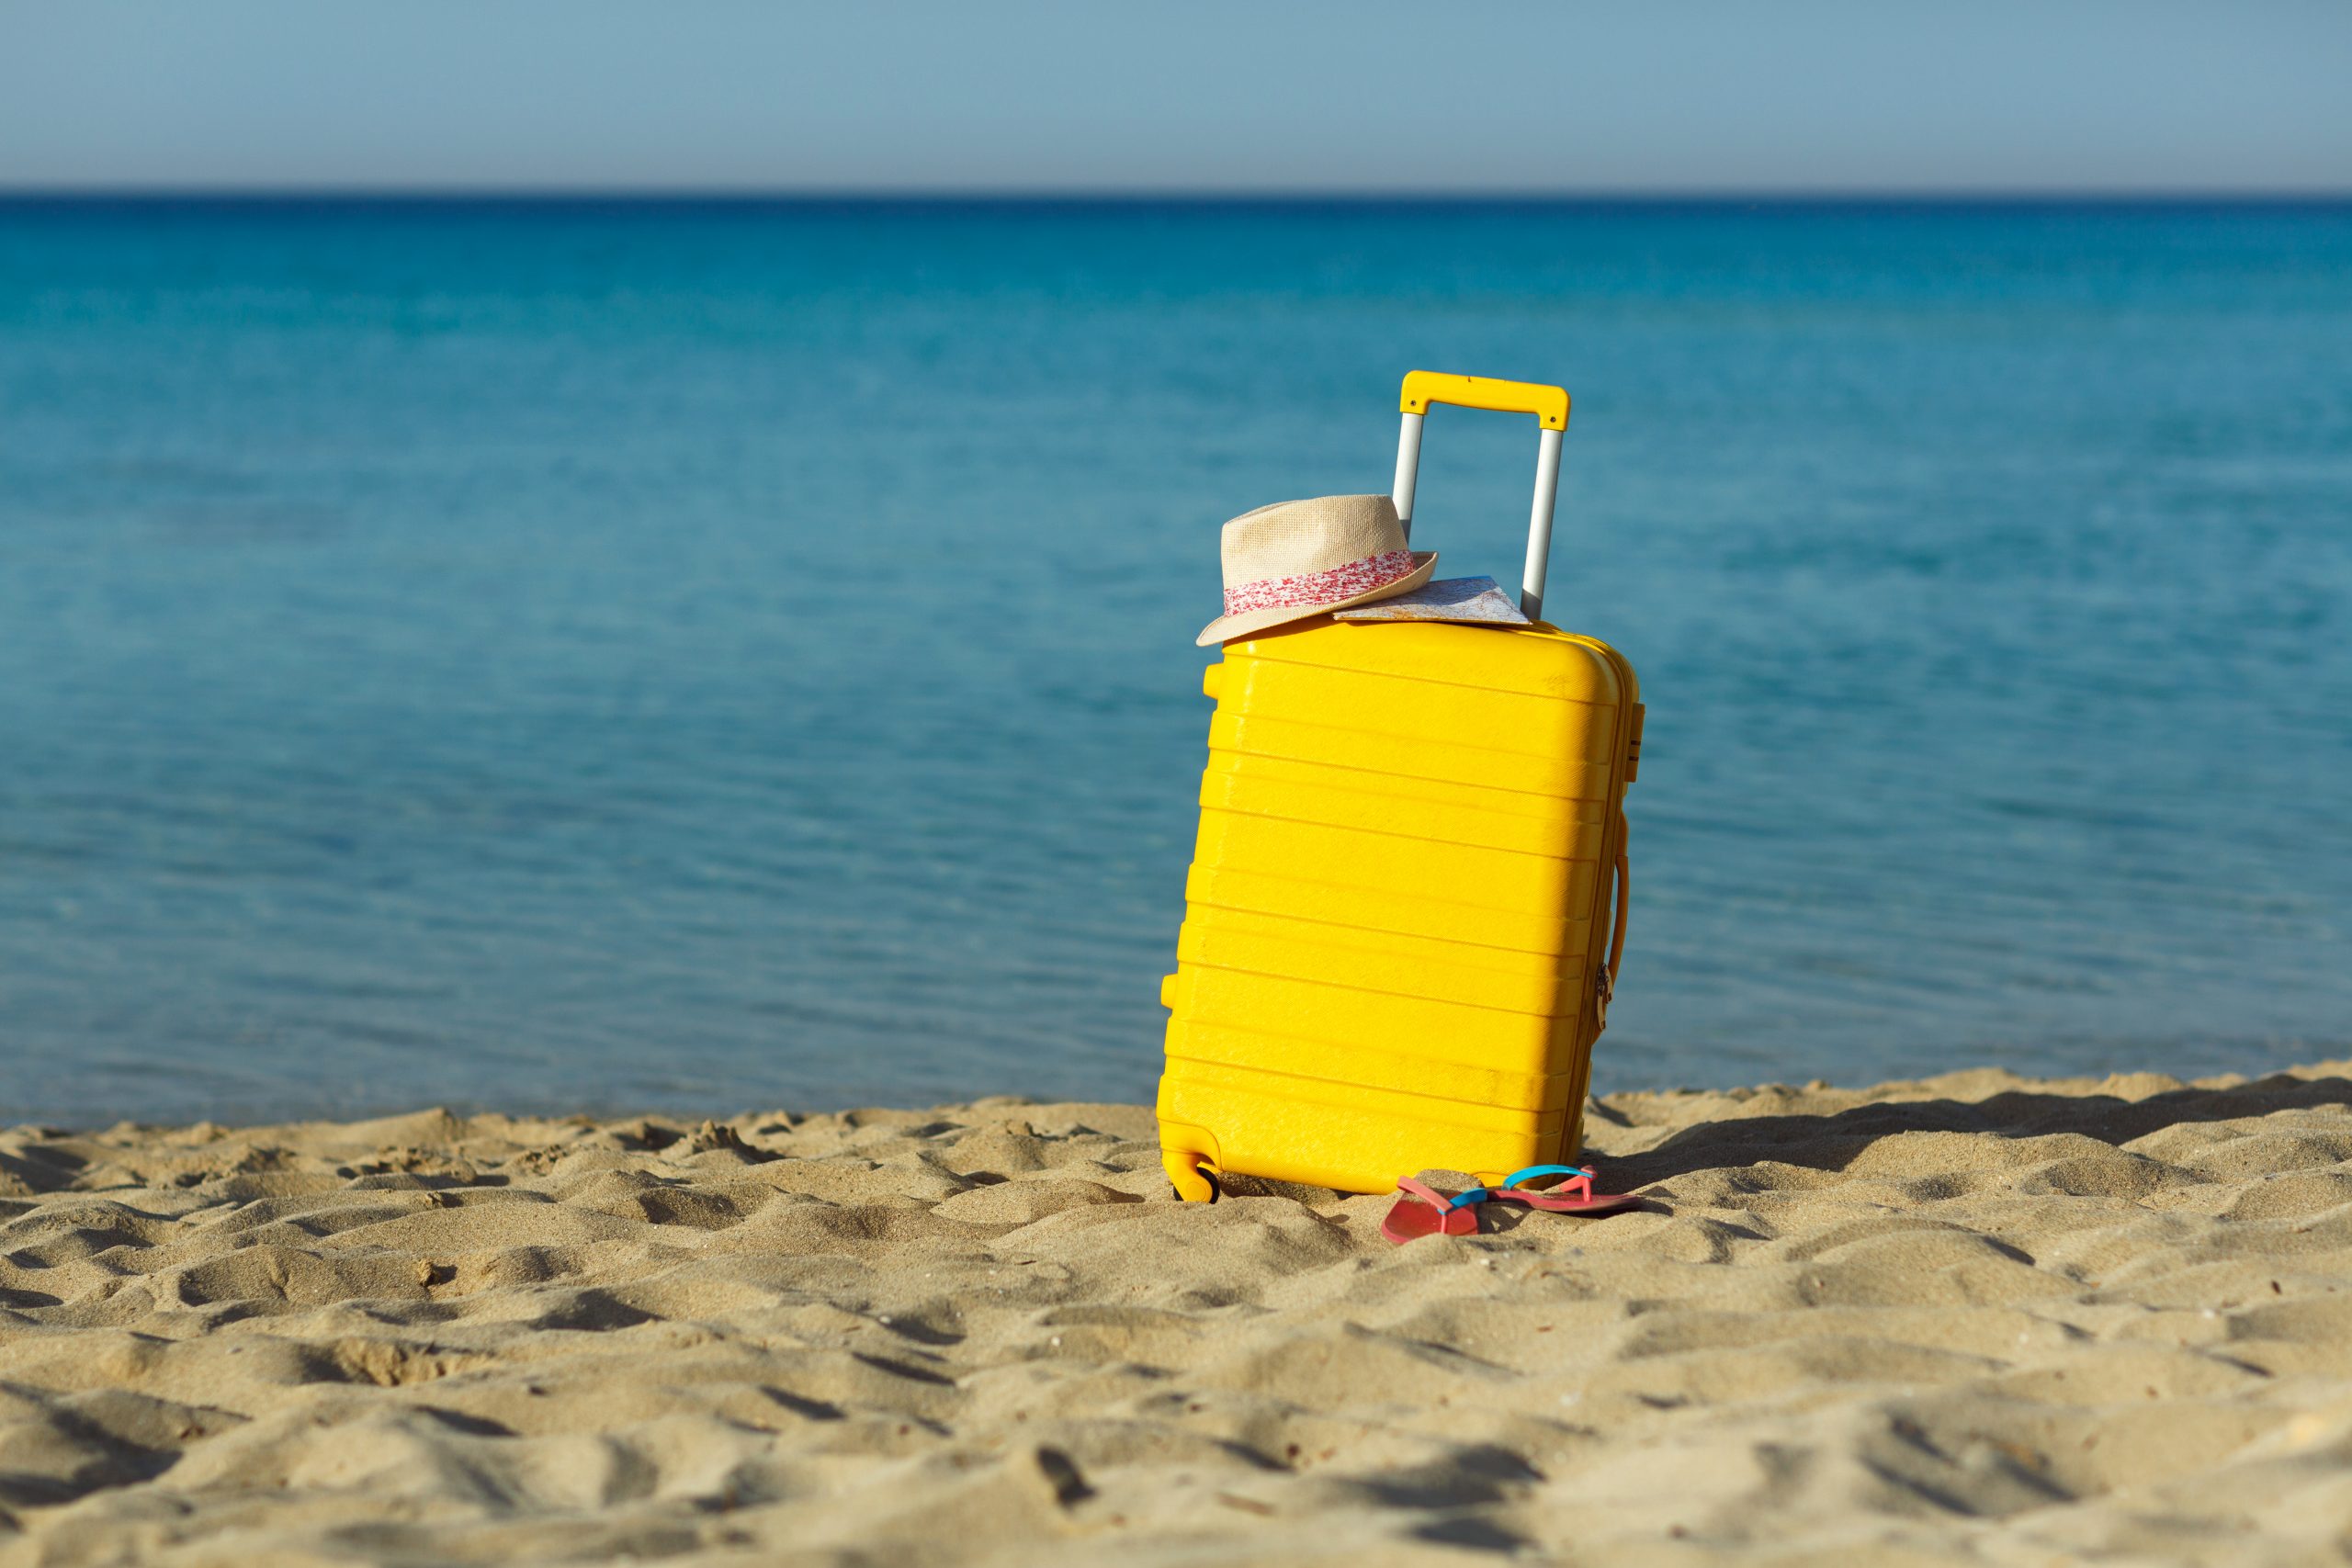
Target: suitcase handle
(1425, 389)
(1605, 982)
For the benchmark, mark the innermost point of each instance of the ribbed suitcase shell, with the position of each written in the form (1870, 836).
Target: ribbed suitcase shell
(1398, 903)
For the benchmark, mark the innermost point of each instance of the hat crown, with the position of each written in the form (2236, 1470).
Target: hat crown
(1299, 559)
(1294, 538)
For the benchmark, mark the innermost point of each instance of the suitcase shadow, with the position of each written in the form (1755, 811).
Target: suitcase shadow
(1831, 1142)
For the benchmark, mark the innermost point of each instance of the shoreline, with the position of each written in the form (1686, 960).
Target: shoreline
(1964, 1318)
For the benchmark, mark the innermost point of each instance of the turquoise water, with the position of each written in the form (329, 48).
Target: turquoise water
(599, 656)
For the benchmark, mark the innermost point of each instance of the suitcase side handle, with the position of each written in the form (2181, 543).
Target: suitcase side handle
(1423, 389)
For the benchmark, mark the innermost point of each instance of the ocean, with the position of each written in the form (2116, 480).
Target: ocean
(696, 656)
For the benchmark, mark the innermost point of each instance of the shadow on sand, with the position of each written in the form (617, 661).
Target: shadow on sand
(1832, 1141)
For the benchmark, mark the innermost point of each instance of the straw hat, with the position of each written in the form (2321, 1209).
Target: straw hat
(1297, 559)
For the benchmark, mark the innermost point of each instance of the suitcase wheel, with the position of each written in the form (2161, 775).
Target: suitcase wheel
(1193, 1183)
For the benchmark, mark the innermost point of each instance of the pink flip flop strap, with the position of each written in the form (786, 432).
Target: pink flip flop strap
(1438, 1200)
(1426, 1193)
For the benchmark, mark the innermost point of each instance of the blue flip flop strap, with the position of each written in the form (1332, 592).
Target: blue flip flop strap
(1463, 1200)
(1516, 1177)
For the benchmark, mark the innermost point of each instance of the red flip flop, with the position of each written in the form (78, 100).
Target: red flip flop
(1425, 1211)
(1573, 1196)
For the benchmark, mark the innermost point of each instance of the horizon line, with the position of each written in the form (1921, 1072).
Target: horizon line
(557, 194)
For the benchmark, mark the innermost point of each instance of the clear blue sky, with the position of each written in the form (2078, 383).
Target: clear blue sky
(1097, 95)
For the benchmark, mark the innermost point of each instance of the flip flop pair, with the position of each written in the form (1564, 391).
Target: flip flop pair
(1424, 1211)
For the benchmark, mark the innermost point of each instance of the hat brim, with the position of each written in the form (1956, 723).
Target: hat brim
(1225, 629)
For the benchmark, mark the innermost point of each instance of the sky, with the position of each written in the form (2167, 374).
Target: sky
(1802, 97)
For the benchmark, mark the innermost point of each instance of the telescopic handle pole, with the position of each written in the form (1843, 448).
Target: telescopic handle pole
(1424, 389)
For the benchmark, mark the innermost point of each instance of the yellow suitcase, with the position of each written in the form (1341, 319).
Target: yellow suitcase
(1400, 943)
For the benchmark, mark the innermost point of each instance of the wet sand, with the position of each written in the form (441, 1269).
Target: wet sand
(1973, 1319)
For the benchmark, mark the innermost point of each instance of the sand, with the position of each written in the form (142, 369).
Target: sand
(1971, 1319)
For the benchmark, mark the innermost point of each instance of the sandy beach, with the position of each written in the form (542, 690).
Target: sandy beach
(1974, 1318)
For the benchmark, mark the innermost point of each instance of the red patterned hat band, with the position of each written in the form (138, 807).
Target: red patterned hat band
(1307, 588)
